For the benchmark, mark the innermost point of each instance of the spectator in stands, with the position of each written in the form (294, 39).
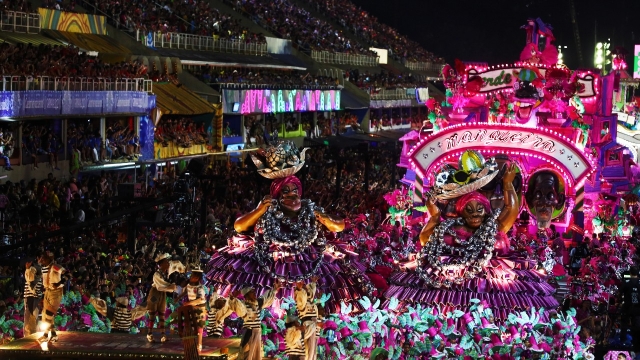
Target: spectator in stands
(4, 145)
(52, 148)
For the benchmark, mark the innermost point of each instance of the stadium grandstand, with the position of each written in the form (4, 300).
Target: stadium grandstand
(104, 84)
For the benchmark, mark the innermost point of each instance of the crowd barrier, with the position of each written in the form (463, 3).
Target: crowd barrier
(201, 43)
(20, 22)
(344, 58)
(25, 83)
(423, 66)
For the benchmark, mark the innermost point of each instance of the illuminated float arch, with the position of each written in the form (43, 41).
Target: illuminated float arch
(446, 146)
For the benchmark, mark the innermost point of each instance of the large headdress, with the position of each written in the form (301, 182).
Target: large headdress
(279, 161)
(473, 173)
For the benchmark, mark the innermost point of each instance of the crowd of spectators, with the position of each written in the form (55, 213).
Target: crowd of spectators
(63, 62)
(374, 82)
(86, 147)
(193, 17)
(290, 21)
(396, 118)
(374, 32)
(270, 77)
(182, 132)
(39, 138)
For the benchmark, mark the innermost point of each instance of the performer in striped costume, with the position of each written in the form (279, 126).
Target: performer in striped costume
(219, 309)
(294, 339)
(32, 295)
(196, 298)
(249, 310)
(122, 318)
(304, 297)
(53, 279)
(157, 299)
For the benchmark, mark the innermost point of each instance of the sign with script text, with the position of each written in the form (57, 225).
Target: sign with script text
(503, 78)
(508, 139)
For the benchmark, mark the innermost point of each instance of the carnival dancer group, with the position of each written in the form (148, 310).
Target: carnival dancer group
(302, 329)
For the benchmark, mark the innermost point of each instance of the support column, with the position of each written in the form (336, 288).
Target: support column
(136, 125)
(18, 140)
(338, 173)
(103, 127)
(314, 126)
(578, 213)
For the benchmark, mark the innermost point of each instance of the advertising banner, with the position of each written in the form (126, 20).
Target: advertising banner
(122, 101)
(259, 101)
(7, 103)
(15, 104)
(94, 103)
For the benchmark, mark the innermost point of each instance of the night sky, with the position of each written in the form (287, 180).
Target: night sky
(489, 31)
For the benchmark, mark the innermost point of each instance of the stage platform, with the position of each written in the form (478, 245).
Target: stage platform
(84, 345)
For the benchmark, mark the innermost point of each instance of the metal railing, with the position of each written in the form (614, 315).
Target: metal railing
(20, 22)
(26, 83)
(391, 94)
(333, 73)
(344, 58)
(201, 43)
(423, 66)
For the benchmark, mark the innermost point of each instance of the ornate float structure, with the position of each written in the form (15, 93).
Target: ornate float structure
(543, 116)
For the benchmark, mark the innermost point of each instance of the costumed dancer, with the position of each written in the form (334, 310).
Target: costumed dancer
(196, 298)
(122, 317)
(293, 338)
(53, 280)
(468, 256)
(249, 310)
(287, 238)
(220, 309)
(216, 303)
(157, 298)
(308, 311)
(32, 295)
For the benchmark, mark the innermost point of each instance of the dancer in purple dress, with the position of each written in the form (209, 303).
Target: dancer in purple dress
(288, 239)
(468, 256)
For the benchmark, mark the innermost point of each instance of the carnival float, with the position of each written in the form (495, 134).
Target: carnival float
(510, 161)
